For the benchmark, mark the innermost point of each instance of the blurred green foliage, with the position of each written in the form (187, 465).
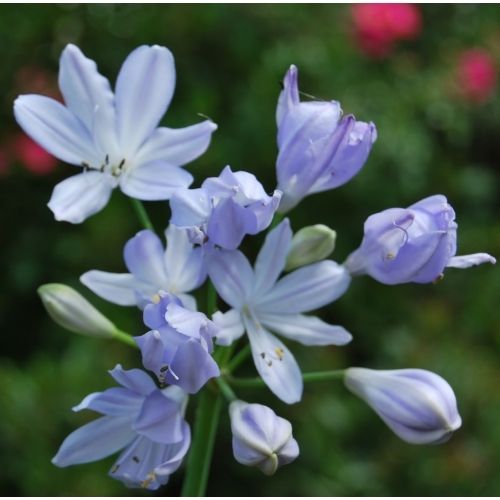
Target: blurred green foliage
(230, 59)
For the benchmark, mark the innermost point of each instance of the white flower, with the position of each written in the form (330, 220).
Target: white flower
(113, 136)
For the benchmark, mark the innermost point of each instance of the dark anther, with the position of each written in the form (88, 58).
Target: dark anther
(136, 459)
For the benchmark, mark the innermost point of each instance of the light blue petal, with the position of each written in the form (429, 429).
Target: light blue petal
(191, 367)
(274, 362)
(185, 321)
(308, 330)
(184, 264)
(157, 180)
(230, 326)
(94, 441)
(306, 289)
(135, 380)
(232, 276)
(272, 257)
(152, 349)
(143, 256)
(56, 129)
(160, 419)
(82, 87)
(177, 146)
(475, 259)
(144, 88)
(80, 196)
(114, 287)
(116, 401)
(190, 207)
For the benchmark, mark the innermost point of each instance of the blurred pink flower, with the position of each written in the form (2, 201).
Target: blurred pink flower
(33, 157)
(476, 75)
(378, 26)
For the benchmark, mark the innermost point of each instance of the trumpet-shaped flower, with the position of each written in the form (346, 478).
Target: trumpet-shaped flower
(147, 423)
(418, 405)
(261, 438)
(114, 137)
(318, 149)
(224, 209)
(178, 347)
(413, 244)
(177, 270)
(261, 302)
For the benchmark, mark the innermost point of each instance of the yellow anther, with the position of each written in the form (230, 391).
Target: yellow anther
(279, 352)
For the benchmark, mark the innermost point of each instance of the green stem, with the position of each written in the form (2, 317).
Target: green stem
(125, 338)
(142, 215)
(226, 390)
(276, 220)
(211, 299)
(239, 358)
(202, 445)
(307, 377)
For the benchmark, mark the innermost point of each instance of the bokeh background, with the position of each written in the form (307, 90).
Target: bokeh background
(426, 75)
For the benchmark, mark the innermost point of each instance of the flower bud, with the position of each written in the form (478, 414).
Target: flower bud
(419, 406)
(310, 244)
(72, 311)
(261, 438)
(318, 148)
(413, 244)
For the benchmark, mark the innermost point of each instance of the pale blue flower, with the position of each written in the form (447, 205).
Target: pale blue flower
(114, 137)
(261, 302)
(178, 269)
(418, 405)
(147, 423)
(414, 244)
(179, 346)
(224, 209)
(261, 438)
(318, 148)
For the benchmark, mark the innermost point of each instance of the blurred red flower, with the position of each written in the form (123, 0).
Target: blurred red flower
(32, 156)
(4, 163)
(378, 26)
(476, 75)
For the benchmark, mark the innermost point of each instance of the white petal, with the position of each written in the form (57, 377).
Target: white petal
(114, 287)
(188, 301)
(94, 441)
(306, 289)
(154, 181)
(82, 87)
(272, 257)
(144, 88)
(475, 259)
(230, 326)
(308, 330)
(183, 263)
(81, 196)
(274, 362)
(177, 146)
(232, 276)
(56, 129)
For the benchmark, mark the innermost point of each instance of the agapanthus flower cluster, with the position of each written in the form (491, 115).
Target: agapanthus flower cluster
(116, 140)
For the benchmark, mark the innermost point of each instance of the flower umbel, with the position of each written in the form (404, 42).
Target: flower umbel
(418, 405)
(114, 137)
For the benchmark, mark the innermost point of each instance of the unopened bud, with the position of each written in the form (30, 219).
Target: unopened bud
(75, 313)
(418, 405)
(310, 244)
(260, 437)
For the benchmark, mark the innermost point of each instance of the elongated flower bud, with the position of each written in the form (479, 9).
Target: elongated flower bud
(72, 311)
(261, 438)
(414, 244)
(418, 405)
(310, 244)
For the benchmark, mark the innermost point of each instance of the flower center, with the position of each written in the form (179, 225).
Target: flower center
(115, 169)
